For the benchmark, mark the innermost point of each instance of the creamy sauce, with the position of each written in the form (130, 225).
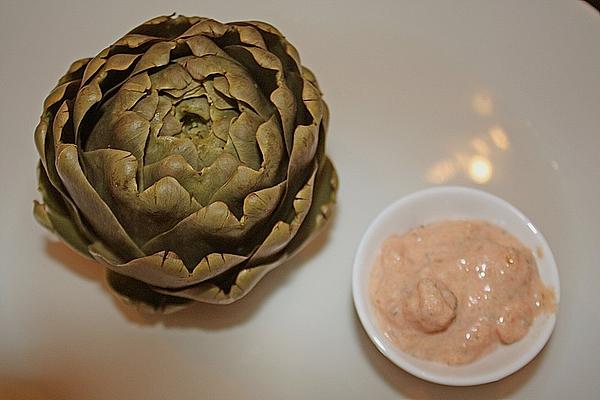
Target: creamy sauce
(451, 291)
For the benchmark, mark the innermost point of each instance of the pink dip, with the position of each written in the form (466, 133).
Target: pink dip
(450, 291)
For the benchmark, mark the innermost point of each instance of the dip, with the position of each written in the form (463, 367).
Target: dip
(452, 290)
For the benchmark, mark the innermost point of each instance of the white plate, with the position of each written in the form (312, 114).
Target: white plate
(444, 203)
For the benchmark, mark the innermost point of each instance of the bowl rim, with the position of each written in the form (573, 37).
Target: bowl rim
(402, 359)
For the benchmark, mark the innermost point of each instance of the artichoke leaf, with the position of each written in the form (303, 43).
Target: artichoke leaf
(133, 41)
(59, 94)
(119, 62)
(40, 136)
(221, 121)
(246, 180)
(218, 91)
(61, 132)
(262, 26)
(112, 111)
(165, 269)
(55, 215)
(166, 27)
(313, 102)
(241, 85)
(216, 222)
(321, 210)
(173, 76)
(258, 60)
(285, 102)
(283, 231)
(303, 154)
(139, 294)
(87, 97)
(262, 57)
(63, 226)
(242, 182)
(215, 176)
(272, 147)
(243, 136)
(50, 184)
(158, 55)
(97, 213)
(129, 132)
(55, 195)
(139, 83)
(40, 212)
(75, 71)
(201, 46)
(163, 146)
(208, 292)
(288, 48)
(205, 27)
(91, 93)
(176, 167)
(147, 106)
(250, 36)
(62, 92)
(143, 215)
(310, 76)
(94, 66)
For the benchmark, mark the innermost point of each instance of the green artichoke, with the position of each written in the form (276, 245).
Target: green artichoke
(188, 158)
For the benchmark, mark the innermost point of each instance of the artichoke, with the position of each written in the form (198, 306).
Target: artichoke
(188, 158)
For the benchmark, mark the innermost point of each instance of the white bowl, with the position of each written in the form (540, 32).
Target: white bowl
(441, 203)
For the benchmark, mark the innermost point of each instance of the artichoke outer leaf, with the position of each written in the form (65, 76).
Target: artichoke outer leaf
(282, 231)
(41, 215)
(245, 281)
(205, 27)
(55, 196)
(302, 156)
(61, 225)
(324, 199)
(87, 97)
(75, 71)
(120, 62)
(97, 213)
(250, 36)
(311, 97)
(56, 215)
(285, 102)
(58, 94)
(93, 67)
(201, 46)
(158, 55)
(141, 295)
(133, 41)
(60, 130)
(165, 269)
(272, 147)
(308, 75)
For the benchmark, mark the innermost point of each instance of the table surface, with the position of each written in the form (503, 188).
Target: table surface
(418, 91)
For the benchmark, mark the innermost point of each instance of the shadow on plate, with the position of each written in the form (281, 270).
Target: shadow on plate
(197, 315)
(412, 387)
